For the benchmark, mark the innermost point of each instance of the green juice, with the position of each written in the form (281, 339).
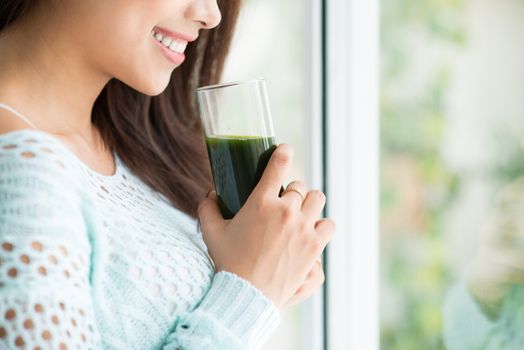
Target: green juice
(237, 163)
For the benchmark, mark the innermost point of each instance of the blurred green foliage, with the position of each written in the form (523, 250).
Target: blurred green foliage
(414, 274)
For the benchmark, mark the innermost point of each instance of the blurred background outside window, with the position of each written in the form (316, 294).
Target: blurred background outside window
(451, 136)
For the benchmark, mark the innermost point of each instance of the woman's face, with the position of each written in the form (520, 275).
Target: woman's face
(139, 42)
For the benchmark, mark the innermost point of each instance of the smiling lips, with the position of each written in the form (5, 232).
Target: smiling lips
(173, 45)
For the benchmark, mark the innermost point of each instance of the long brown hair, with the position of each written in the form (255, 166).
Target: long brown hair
(160, 138)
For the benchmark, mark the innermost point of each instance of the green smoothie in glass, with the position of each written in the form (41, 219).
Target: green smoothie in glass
(239, 138)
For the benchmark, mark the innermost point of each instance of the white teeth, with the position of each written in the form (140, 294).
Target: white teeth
(174, 45)
(167, 41)
(159, 36)
(178, 46)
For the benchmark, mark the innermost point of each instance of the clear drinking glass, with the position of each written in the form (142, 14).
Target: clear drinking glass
(239, 138)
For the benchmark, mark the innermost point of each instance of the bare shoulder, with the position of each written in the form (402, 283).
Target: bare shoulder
(9, 122)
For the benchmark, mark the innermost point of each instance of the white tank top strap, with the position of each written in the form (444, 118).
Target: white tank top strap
(16, 113)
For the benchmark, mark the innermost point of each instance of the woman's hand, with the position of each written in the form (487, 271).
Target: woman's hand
(272, 242)
(499, 263)
(313, 282)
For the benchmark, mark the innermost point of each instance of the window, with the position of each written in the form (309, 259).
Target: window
(410, 115)
(280, 41)
(452, 117)
(351, 145)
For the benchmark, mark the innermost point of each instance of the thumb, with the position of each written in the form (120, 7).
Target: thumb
(210, 217)
(277, 168)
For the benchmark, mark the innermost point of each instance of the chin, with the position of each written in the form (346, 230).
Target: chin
(151, 87)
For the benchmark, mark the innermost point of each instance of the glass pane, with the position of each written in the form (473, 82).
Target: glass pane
(452, 164)
(270, 42)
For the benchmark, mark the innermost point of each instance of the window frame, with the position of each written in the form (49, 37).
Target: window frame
(314, 310)
(351, 172)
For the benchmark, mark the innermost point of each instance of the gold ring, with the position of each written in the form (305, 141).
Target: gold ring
(294, 190)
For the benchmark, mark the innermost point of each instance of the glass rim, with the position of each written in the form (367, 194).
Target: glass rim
(231, 83)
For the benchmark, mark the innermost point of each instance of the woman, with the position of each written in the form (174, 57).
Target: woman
(484, 310)
(103, 174)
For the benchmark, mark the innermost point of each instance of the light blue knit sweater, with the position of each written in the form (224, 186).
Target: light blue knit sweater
(103, 262)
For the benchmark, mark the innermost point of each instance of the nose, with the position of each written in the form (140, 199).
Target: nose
(205, 12)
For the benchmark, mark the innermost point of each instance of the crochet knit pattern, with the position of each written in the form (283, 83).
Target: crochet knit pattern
(89, 261)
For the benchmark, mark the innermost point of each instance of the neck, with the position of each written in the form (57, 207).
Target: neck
(46, 77)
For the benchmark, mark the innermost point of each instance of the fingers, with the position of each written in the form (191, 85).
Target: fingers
(313, 282)
(314, 204)
(209, 215)
(292, 196)
(325, 229)
(276, 170)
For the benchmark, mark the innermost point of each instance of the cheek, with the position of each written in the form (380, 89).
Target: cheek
(133, 57)
(140, 63)
(129, 53)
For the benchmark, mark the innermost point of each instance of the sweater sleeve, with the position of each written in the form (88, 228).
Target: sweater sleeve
(45, 300)
(467, 328)
(233, 315)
